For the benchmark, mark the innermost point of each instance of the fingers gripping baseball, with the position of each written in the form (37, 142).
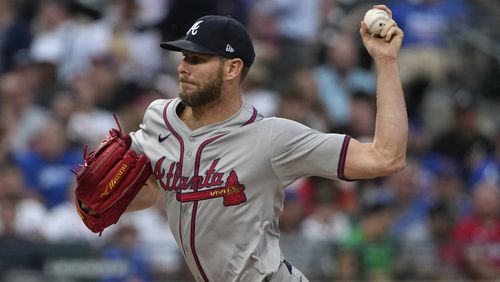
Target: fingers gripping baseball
(385, 8)
(386, 45)
(389, 29)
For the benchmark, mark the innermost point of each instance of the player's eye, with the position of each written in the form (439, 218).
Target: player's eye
(194, 60)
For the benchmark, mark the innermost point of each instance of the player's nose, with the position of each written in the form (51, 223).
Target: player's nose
(182, 68)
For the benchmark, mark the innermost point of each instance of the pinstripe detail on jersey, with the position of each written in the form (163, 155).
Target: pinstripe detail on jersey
(342, 157)
(181, 158)
(252, 118)
(195, 204)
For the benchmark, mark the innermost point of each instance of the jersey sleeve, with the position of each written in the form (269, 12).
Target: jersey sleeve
(299, 151)
(151, 116)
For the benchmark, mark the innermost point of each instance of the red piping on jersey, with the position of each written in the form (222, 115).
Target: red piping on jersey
(342, 157)
(252, 119)
(181, 158)
(195, 203)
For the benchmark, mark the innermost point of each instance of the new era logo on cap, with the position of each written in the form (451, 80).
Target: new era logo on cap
(216, 35)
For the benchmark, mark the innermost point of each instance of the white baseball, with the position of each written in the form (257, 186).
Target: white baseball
(375, 19)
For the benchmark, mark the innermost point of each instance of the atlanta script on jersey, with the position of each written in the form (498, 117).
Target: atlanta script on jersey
(224, 184)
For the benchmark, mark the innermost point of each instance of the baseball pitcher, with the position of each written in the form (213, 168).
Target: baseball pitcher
(222, 167)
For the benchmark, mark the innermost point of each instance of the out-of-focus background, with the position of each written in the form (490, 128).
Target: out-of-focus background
(66, 66)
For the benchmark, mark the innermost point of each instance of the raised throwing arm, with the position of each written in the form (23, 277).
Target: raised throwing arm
(387, 153)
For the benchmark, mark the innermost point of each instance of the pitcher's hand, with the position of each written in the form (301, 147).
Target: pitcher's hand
(386, 46)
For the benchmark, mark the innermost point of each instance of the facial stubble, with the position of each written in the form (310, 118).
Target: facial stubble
(206, 94)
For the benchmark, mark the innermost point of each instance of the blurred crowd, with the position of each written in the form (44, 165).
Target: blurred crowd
(67, 65)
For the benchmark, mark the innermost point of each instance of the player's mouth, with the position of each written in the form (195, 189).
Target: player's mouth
(186, 86)
(186, 81)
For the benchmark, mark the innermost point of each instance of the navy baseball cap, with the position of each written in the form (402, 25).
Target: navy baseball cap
(216, 35)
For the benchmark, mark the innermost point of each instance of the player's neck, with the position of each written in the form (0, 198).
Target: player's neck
(211, 113)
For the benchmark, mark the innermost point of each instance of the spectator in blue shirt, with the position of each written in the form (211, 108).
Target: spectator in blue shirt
(46, 166)
(125, 249)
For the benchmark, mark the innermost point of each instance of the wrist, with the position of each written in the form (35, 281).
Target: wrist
(385, 60)
(384, 65)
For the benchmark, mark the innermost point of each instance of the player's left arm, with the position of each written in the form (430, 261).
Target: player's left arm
(387, 153)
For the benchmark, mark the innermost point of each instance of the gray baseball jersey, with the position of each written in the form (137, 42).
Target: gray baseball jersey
(224, 184)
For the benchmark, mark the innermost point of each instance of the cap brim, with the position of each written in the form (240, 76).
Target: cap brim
(185, 45)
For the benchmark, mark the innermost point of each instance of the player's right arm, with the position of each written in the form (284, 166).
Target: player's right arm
(149, 195)
(387, 153)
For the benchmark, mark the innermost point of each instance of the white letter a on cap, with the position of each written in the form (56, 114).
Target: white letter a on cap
(194, 28)
(229, 48)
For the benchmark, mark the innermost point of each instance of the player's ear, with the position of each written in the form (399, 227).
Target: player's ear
(232, 68)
